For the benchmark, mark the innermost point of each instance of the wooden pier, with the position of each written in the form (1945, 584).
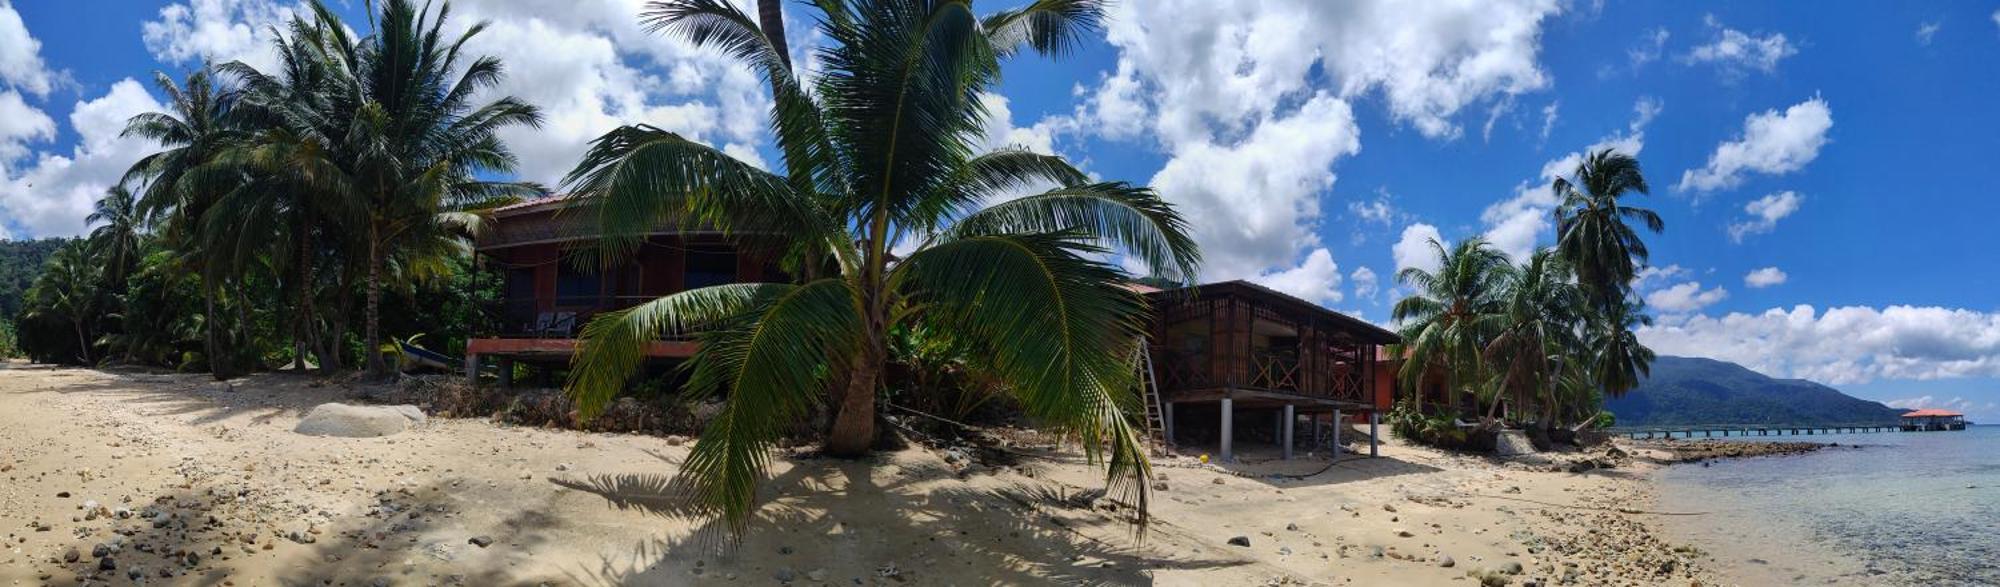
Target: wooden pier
(1727, 431)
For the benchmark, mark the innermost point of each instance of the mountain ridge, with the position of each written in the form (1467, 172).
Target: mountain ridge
(1694, 390)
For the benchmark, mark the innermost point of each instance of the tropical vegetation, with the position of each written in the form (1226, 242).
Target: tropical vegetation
(1549, 337)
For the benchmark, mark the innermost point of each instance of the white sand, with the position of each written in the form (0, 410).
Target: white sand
(571, 508)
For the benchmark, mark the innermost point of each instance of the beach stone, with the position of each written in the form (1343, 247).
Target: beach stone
(816, 575)
(1292, 527)
(1511, 568)
(1240, 541)
(107, 564)
(100, 550)
(345, 421)
(71, 555)
(784, 575)
(480, 541)
(1446, 561)
(1513, 443)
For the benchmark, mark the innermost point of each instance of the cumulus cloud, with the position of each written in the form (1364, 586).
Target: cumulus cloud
(1316, 279)
(1650, 276)
(1764, 214)
(1734, 52)
(1685, 297)
(1256, 198)
(51, 195)
(1842, 345)
(1516, 225)
(1366, 284)
(1376, 211)
(20, 124)
(1549, 118)
(1772, 143)
(1414, 249)
(218, 30)
(1954, 403)
(1649, 49)
(21, 65)
(1765, 277)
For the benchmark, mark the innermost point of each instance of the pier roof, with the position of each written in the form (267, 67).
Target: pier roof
(1932, 413)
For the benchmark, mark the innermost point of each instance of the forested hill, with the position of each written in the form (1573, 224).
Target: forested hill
(1685, 390)
(20, 262)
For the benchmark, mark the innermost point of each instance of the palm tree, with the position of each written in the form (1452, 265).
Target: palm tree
(118, 238)
(1591, 233)
(1452, 315)
(198, 127)
(1617, 358)
(1544, 311)
(880, 156)
(67, 290)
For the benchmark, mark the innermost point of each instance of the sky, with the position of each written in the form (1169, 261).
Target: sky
(1823, 173)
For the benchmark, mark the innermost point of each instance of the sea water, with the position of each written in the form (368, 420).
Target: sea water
(1889, 508)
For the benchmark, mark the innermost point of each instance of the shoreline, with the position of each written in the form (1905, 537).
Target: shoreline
(215, 472)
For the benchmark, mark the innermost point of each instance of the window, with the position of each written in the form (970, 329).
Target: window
(707, 267)
(521, 283)
(575, 286)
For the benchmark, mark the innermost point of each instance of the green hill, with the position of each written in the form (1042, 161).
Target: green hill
(20, 263)
(1685, 390)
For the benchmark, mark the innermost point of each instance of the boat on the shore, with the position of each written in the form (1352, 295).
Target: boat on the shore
(1933, 420)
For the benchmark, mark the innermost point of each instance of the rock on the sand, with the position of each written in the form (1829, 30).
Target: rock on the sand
(1513, 443)
(347, 421)
(1240, 541)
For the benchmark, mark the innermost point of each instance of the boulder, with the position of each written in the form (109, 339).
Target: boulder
(1513, 443)
(347, 421)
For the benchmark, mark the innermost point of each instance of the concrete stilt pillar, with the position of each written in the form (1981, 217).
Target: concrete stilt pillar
(506, 373)
(1285, 431)
(1336, 434)
(1167, 422)
(1315, 431)
(471, 369)
(1228, 449)
(1374, 435)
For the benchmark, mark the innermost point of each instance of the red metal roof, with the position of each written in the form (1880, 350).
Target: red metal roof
(1932, 413)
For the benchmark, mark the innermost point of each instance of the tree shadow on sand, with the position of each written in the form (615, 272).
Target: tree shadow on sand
(888, 523)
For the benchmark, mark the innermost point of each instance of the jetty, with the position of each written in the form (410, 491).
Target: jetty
(1933, 420)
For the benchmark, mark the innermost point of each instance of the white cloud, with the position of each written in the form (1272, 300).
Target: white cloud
(1765, 277)
(1765, 213)
(218, 30)
(1733, 51)
(21, 65)
(1317, 279)
(1927, 31)
(1378, 210)
(1196, 64)
(1549, 118)
(1256, 200)
(1955, 403)
(1841, 345)
(1516, 225)
(1685, 297)
(20, 124)
(1001, 132)
(1651, 276)
(1772, 143)
(1414, 249)
(1366, 284)
(50, 196)
(1649, 49)
(1996, 17)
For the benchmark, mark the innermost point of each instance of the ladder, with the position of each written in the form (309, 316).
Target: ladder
(1149, 387)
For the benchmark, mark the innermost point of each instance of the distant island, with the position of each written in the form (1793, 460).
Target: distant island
(1689, 390)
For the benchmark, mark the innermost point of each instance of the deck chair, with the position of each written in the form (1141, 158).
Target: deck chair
(564, 325)
(542, 323)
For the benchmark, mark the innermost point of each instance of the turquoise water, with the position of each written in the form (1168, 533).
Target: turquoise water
(1902, 508)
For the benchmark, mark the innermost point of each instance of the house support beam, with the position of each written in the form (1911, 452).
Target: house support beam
(506, 373)
(1374, 434)
(1285, 432)
(1167, 422)
(471, 369)
(1336, 435)
(1228, 451)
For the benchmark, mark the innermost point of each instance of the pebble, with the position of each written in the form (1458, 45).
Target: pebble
(1446, 561)
(71, 555)
(816, 575)
(784, 575)
(107, 564)
(1511, 568)
(480, 541)
(1240, 541)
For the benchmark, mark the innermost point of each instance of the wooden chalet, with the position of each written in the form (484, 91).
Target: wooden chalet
(1932, 420)
(552, 285)
(1230, 357)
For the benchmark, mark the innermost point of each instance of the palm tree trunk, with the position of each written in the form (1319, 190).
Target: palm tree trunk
(82, 342)
(853, 432)
(217, 368)
(771, 18)
(371, 322)
(302, 319)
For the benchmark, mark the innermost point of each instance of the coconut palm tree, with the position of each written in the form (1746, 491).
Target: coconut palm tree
(1544, 311)
(878, 158)
(1451, 315)
(1617, 358)
(197, 128)
(67, 291)
(117, 239)
(1591, 230)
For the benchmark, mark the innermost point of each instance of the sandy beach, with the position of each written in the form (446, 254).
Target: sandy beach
(175, 479)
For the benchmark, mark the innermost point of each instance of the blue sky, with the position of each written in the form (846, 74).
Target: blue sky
(1822, 172)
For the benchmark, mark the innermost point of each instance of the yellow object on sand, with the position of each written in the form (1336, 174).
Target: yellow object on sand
(1204, 458)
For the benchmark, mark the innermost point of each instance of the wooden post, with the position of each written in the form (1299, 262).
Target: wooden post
(1228, 429)
(506, 372)
(1167, 423)
(1285, 432)
(471, 369)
